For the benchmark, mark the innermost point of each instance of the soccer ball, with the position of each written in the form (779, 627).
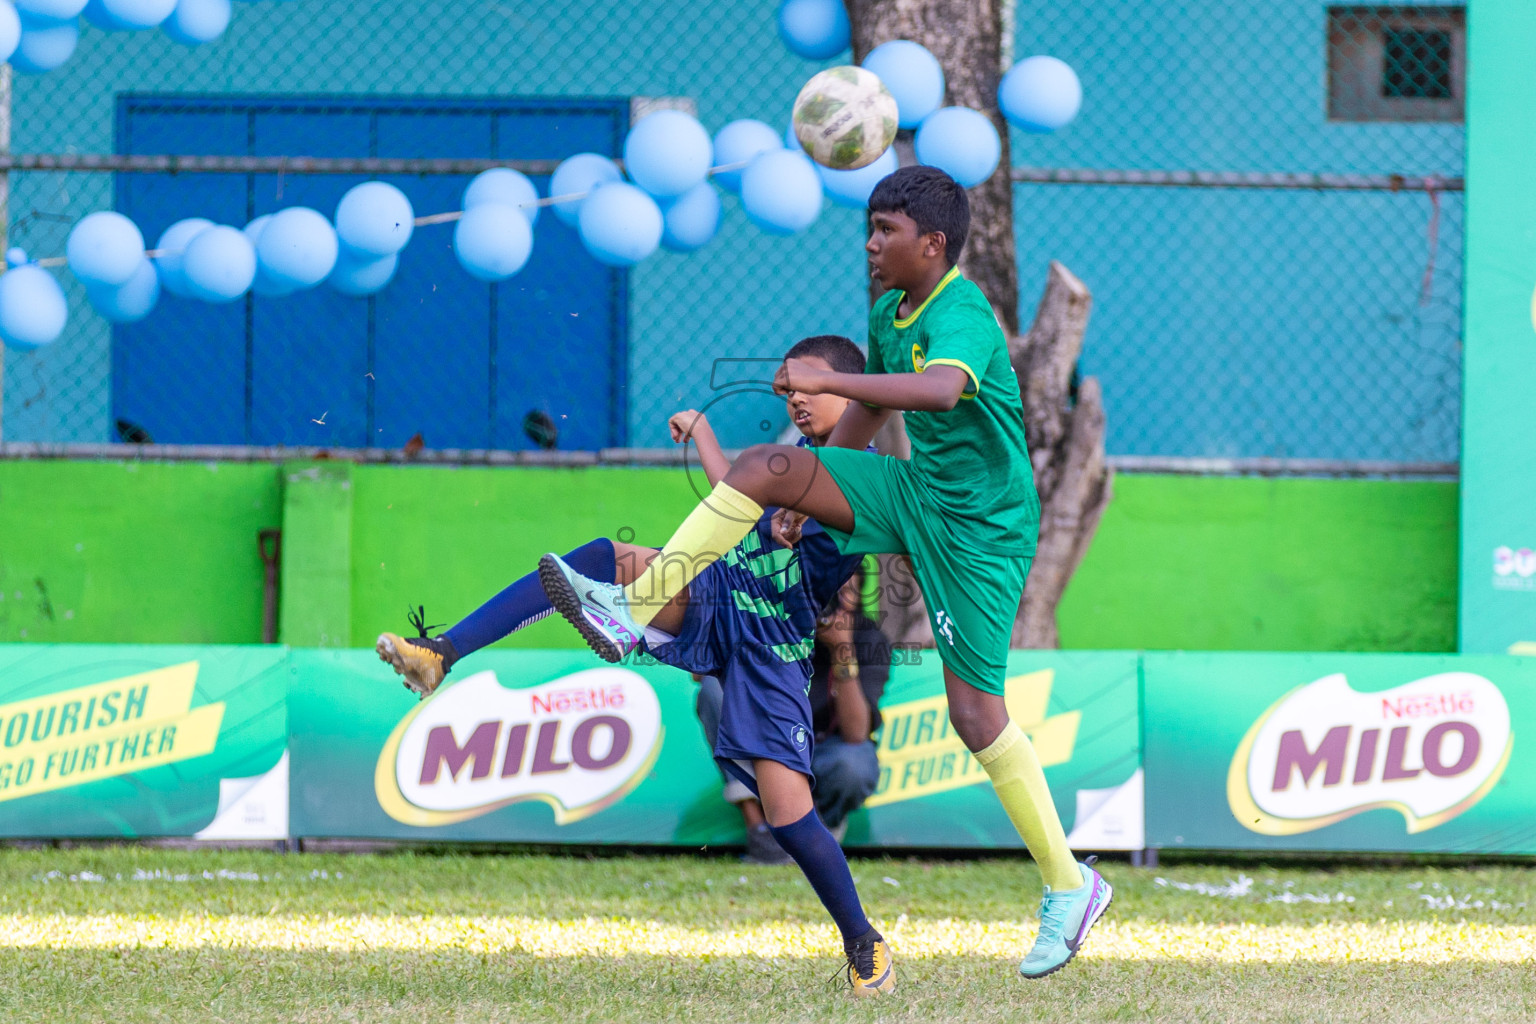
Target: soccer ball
(845, 118)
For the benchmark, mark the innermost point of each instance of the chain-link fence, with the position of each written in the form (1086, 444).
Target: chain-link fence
(1264, 197)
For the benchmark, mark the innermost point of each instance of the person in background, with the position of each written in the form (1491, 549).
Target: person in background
(850, 666)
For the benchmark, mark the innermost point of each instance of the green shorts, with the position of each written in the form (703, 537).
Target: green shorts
(972, 596)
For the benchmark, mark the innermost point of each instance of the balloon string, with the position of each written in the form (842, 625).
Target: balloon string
(439, 218)
(444, 218)
(432, 218)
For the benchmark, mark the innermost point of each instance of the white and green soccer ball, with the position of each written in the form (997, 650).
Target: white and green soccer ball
(845, 118)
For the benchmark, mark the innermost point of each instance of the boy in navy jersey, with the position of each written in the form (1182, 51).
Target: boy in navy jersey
(750, 620)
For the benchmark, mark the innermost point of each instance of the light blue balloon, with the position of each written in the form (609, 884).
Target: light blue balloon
(104, 248)
(131, 302)
(172, 248)
(374, 219)
(961, 142)
(505, 186)
(58, 10)
(10, 31)
(44, 44)
(1040, 94)
(492, 241)
(781, 192)
(220, 265)
(620, 225)
(16, 256)
(852, 188)
(297, 247)
(97, 14)
(814, 29)
(912, 74)
(667, 153)
(791, 140)
(692, 219)
(263, 284)
(359, 276)
(131, 14)
(197, 21)
(32, 308)
(579, 174)
(738, 142)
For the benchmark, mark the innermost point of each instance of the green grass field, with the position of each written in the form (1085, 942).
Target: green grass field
(133, 934)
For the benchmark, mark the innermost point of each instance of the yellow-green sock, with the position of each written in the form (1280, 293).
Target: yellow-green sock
(1020, 784)
(716, 525)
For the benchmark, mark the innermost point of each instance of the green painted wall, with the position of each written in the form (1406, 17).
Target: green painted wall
(167, 553)
(448, 538)
(129, 552)
(316, 580)
(1243, 563)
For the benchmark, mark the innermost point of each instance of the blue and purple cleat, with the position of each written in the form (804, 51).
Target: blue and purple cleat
(1065, 918)
(596, 609)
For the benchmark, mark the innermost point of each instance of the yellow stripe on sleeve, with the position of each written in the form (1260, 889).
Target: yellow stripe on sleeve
(973, 390)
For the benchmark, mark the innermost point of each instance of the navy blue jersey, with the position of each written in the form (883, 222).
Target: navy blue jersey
(771, 596)
(763, 595)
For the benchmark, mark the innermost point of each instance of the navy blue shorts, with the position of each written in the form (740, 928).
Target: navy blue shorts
(765, 711)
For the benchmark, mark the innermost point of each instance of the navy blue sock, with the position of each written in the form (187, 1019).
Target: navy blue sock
(524, 603)
(825, 867)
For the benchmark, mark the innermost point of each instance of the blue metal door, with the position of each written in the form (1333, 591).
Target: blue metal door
(437, 352)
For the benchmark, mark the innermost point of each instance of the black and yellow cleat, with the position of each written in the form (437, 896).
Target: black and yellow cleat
(422, 660)
(869, 970)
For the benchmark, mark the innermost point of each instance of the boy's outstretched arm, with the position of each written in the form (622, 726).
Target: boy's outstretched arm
(857, 426)
(691, 424)
(936, 389)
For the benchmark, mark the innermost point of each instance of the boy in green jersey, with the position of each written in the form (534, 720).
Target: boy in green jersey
(964, 508)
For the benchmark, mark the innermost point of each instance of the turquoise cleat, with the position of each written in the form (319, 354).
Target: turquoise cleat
(596, 609)
(1065, 918)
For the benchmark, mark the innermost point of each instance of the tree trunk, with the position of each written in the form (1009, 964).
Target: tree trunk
(1065, 432)
(966, 37)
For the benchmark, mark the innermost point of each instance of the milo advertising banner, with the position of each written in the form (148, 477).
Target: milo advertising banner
(1081, 712)
(548, 746)
(129, 741)
(1341, 752)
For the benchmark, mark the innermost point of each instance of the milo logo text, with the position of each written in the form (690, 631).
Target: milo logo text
(578, 744)
(1428, 749)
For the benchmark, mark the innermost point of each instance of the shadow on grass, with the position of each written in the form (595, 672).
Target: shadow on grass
(239, 985)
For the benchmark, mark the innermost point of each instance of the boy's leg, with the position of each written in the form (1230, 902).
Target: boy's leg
(981, 721)
(764, 740)
(786, 796)
(763, 475)
(972, 604)
(762, 848)
(424, 661)
(523, 603)
(613, 620)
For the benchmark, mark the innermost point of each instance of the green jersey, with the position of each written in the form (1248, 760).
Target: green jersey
(972, 459)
